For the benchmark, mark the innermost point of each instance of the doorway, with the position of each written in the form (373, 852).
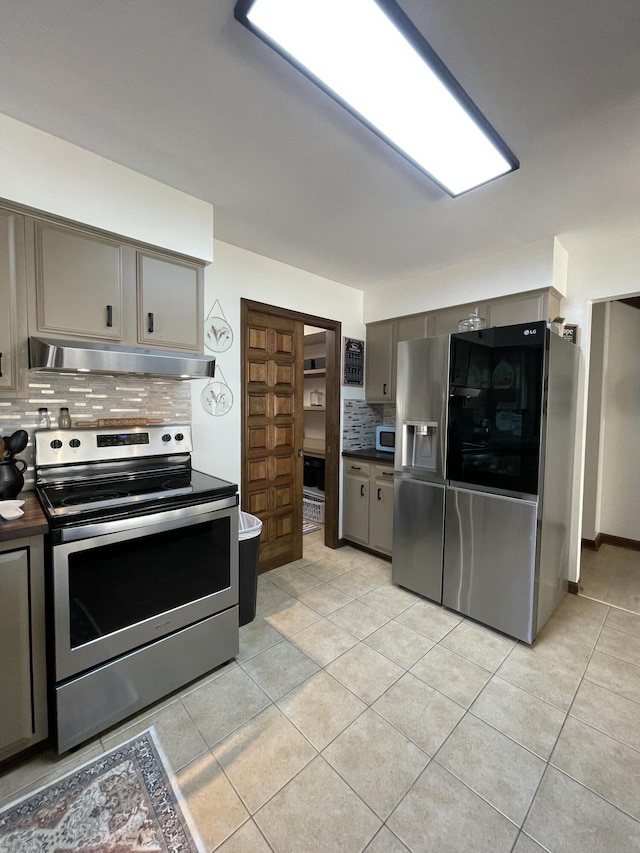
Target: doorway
(610, 555)
(273, 427)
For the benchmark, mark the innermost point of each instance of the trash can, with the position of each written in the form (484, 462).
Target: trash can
(249, 527)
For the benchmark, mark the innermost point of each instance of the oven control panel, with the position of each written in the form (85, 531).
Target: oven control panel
(89, 444)
(121, 439)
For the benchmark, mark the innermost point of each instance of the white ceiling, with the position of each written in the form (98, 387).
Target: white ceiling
(180, 91)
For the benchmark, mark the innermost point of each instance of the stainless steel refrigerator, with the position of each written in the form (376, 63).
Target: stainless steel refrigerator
(503, 422)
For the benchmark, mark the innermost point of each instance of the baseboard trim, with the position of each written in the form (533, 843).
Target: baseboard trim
(608, 539)
(593, 544)
(367, 550)
(620, 541)
(574, 587)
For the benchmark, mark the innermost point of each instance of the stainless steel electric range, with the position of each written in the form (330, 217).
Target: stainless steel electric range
(142, 574)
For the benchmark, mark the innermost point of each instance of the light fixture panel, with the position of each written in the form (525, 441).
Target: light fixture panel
(370, 58)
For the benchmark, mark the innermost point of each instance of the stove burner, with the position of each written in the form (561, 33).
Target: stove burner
(79, 500)
(177, 483)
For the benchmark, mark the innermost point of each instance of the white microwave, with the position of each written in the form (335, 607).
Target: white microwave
(386, 438)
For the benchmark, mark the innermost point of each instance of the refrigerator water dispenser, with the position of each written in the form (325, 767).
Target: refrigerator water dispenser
(420, 445)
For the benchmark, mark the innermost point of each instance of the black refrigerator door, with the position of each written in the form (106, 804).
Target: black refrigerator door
(495, 407)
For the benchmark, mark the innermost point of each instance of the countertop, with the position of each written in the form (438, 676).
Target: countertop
(32, 523)
(371, 454)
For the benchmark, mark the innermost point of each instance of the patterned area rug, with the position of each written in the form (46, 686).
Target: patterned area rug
(126, 801)
(309, 527)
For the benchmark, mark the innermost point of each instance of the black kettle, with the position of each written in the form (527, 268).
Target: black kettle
(11, 478)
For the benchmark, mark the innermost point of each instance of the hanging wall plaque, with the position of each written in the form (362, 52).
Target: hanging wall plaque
(218, 335)
(353, 350)
(217, 397)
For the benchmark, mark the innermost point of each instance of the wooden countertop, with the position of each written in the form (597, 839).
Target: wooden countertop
(32, 523)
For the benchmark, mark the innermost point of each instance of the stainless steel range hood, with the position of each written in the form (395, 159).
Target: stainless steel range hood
(58, 356)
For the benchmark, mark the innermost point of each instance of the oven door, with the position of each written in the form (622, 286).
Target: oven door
(118, 585)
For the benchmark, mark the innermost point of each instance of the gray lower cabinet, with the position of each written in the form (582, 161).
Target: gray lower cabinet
(23, 702)
(381, 509)
(355, 501)
(367, 515)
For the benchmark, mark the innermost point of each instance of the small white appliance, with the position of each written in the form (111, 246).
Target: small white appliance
(386, 438)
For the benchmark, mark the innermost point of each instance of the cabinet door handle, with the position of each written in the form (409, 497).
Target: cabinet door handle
(355, 468)
(0, 364)
(379, 495)
(384, 390)
(150, 319)
(109, 316)
(362, 490)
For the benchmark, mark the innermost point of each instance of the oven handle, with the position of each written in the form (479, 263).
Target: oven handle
(194, 513)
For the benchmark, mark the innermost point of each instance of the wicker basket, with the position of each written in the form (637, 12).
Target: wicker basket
(313, 507)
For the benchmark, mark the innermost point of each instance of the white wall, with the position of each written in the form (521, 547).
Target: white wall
(237, 274)
(620, 463)
(41, 171)
(594, 432)
(531, 267)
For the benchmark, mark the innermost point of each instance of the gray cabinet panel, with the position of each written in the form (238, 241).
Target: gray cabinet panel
(445, 321)
(23, 709)
(16, 722)
(381, 511)
(379, 362)
(169, 303)
(380, 354)
(489, 560)
(13, 314)
(417, 542)
(355, 508)
(78, 283)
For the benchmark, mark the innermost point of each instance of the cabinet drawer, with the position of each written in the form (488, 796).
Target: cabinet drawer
(383, 472)
(357, 468)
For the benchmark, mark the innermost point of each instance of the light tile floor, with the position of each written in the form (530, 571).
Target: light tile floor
(612, 575)
(359, 717)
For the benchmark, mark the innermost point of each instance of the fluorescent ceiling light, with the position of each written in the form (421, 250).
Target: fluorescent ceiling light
(370, 58)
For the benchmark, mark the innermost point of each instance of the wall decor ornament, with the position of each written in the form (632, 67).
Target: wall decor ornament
(217, 397)
(218, 335)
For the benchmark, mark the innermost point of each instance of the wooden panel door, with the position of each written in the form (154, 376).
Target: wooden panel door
(273, 431)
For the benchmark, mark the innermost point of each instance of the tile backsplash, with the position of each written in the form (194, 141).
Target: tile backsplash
(91, 397)
(359, 422)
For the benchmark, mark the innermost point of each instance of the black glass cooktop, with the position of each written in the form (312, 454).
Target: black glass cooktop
(129, 494)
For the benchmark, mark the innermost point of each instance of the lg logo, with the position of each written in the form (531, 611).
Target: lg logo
(530, 332)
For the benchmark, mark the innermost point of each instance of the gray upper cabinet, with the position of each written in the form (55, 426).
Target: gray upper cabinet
(380, 354)
(379, 358)
(525, 308)
(78, 283)
(13, 314)
(445, 321)
(170, 304)
(88, 285)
